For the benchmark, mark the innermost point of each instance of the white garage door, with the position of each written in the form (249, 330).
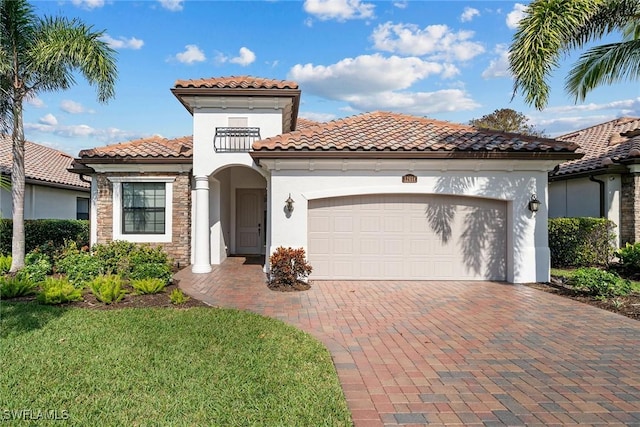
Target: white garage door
(406, 236)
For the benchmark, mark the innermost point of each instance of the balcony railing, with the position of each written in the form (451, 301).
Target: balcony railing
(235, 140)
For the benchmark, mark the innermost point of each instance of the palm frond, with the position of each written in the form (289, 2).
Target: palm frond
(605, 64)
(551, 28)
(65, 45)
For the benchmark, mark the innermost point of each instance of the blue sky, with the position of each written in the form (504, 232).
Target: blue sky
(440, 59)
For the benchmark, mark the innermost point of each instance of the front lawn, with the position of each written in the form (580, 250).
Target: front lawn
(201, 366)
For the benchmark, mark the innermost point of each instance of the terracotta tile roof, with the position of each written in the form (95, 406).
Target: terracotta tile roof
(245, 82)
(155, 147)
(41, 163)
(383, 131)
(602, 145)
(305, 123)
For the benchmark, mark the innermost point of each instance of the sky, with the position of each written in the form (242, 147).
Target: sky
(445, 60)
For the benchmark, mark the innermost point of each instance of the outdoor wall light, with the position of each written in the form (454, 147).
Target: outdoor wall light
(288, 204)
(534, 203)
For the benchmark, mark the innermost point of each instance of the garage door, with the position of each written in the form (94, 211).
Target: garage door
(410, 237)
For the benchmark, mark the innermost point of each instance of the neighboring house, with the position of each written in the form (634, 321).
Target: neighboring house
(373, 196)
(605, 182)
(51, 191)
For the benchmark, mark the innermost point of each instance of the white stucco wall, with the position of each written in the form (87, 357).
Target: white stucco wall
(580, 197)
(42, 202)
(510, 181)
(205, 120)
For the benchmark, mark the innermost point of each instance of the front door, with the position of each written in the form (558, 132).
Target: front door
(250, 227)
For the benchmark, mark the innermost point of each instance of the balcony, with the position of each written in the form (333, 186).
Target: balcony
(234, 139)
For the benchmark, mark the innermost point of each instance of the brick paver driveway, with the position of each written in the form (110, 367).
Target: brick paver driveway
(454, 352)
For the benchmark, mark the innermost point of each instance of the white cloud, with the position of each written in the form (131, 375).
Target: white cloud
(72, 107)
(88, 4)
(308, 22)
(172, 5)
(107, 135)
(514, 17)
(374, 82)
(401, 4)
(364, 74)
(469, 13)
(35, 102)
(122, 42)
(318, 117)
(340, 10)
(245, 57)
(191, 54)
(624, 106)
(48, 119)
(498, 66)
(419, 103)
(557, 126)
(437, 41)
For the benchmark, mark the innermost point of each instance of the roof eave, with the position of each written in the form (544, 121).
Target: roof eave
(130, 160)
(342, 154)
(180, 92)
(603, 170)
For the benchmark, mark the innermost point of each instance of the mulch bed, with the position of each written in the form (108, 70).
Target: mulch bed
(628, 306)
(299, 286)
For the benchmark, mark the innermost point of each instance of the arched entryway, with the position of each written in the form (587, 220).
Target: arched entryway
(237, 212)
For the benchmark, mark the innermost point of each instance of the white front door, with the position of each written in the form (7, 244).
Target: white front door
(250, 227)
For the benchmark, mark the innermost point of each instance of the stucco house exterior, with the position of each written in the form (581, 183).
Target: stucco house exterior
(374, 196)
(51, 191)
(605, 182)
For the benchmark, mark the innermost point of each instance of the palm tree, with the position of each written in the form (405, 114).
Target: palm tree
(40, 55)
(552, 28)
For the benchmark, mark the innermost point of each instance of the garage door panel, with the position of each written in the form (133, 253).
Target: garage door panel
(400, 236)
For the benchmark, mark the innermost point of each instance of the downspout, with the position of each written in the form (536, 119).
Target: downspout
(84, 179)
(601, 184)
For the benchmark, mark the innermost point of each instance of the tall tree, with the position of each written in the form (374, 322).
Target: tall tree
(41, 55)
(506, 120)
(552, 28)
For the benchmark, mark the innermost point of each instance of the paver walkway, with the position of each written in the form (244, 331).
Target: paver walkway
(472, 353)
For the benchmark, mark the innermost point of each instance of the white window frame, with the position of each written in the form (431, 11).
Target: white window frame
(117, 209)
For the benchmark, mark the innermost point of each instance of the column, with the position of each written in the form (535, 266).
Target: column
(202, 257)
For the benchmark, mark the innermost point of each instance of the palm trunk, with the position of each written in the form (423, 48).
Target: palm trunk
(17, 189)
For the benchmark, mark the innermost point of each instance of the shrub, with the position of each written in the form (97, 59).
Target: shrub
(114, 256)
(107, 288)
(149, 285)
(80, 267)
(581, 242)
(599, 283)
(14, 287)
(58, 291)
(630, 256)
(37, 267)
(42, 232)
(5, 263)
(122, 257)
(151, 270)
(288, 266)
(178, 297)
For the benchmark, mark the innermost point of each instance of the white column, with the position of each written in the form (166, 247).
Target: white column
(93, 213)
(202, 257)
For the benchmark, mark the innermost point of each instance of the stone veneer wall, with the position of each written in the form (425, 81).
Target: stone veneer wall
(179, 249)
(630, 209)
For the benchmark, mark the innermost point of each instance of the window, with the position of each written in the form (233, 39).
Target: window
(143, 207)
(82, 208)
(141, 213)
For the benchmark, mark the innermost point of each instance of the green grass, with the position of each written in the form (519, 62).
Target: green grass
(568, 274)
(200, 366)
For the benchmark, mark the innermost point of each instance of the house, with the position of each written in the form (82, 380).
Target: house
(51, 191)
(373, 196)
(605, 182)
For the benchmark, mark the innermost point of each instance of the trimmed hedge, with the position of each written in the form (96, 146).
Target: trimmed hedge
(581, 242)
(49, 233)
